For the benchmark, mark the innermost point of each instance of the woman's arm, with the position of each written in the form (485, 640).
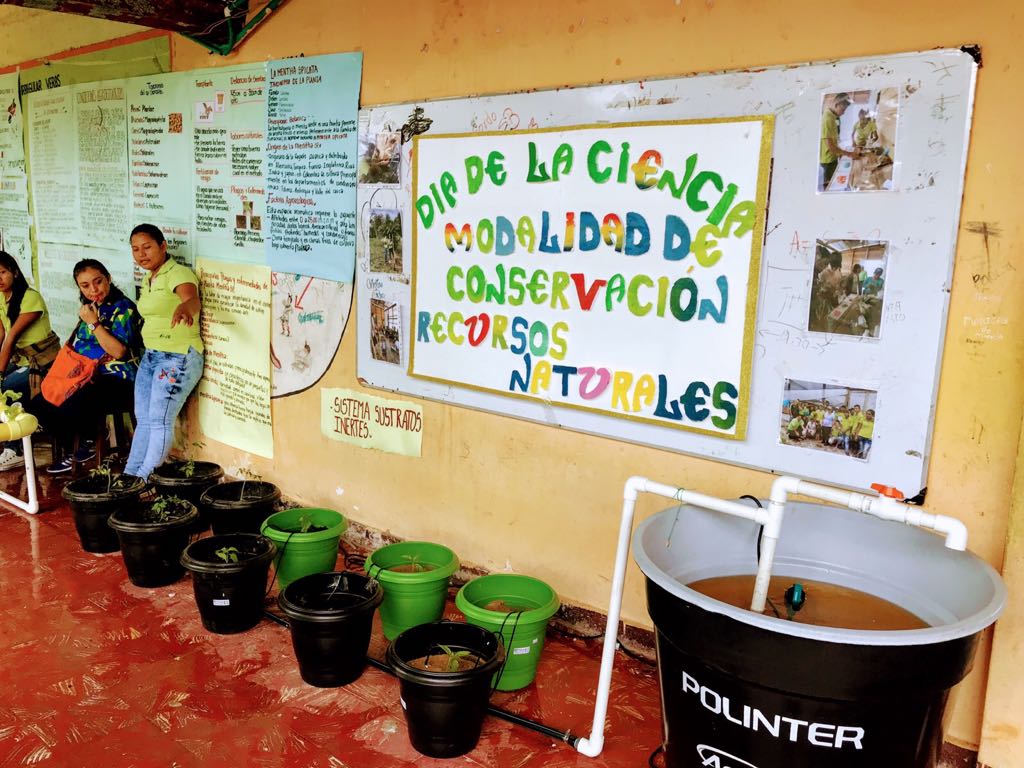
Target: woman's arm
(108, 341)
(25, 319)
(188, 309)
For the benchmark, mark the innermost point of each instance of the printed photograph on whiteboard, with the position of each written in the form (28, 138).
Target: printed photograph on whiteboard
(386, 331)
(857, 146)
(204, 111)
(848, 287)
(828, 417)
(380, 156)
(386, 241)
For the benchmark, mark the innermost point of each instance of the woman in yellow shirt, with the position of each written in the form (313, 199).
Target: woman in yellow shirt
(28, 346)
(172, 364)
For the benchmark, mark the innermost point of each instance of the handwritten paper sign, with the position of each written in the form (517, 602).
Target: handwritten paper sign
(610, 268)
(229, 116)
(234, 393)
(392, 426)
(13, 181)
(312, 143)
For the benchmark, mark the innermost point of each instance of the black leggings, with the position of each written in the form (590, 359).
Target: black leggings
(79, 413)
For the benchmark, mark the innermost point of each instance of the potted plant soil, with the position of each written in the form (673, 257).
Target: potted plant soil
(229, 578)
(517, 608)
(445, 672)
(331, 617)
(415, 577)
(306, 539)
(187, 479)
(239, 506)
(94, 498)
(153, 537)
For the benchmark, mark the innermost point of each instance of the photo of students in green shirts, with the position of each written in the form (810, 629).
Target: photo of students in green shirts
(828, 417)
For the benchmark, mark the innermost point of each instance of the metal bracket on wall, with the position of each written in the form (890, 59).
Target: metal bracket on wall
(233, 32)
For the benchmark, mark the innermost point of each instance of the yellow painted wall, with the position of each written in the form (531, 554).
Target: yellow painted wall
(503, 492)
(28, 34)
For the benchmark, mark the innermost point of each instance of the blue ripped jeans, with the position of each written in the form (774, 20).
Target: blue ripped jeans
(163, 383)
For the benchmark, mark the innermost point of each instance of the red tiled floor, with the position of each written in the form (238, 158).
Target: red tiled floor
(97, 672)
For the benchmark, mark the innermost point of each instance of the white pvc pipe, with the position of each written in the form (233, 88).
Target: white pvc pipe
(770, 518)
(32, 504)
(954, 531)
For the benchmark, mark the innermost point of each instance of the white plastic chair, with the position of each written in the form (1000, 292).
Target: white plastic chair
(22, 427)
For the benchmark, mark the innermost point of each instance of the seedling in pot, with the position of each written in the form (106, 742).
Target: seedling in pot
(412, 564)
(189, 467)
(227, 554)
(249, 477)
(451, 660)
(166, 508)
(305, 524)
(105, 470)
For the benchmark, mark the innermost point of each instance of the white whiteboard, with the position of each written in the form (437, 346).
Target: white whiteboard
(915, 216)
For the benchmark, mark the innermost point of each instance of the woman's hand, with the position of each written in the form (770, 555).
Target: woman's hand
(181, 315)
(189, 308)
(89, 314)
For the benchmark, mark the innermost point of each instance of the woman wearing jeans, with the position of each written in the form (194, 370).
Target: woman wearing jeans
(173, 361)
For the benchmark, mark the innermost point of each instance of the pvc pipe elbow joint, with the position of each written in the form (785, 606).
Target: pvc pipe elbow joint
(954, 530)
(591, 747)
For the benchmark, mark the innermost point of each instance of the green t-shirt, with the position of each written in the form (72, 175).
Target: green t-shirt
(795, 424)
(829, 130)
(862, 133)
(157, 302)
(867, 428)
(39, 330)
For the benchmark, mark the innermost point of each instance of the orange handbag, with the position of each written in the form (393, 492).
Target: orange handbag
(68, 374)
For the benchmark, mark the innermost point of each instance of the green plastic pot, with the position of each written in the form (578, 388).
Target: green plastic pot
(303, 554)
(416, 597)
(522, 632)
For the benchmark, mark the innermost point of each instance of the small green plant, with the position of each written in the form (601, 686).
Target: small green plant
(227, 554)
(305, 522)
(248, 477)
(452, 658)
(189, 468)
(162, 510)
(413, 561)
(106, 470)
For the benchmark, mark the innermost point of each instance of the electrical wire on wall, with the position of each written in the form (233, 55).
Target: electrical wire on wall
(224, 34)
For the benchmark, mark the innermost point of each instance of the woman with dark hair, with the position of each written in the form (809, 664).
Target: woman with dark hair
(27, 343)
(172, 364)
(109, 330)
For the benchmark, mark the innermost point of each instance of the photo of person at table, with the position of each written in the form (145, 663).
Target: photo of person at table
(857, 143)
(848, 287)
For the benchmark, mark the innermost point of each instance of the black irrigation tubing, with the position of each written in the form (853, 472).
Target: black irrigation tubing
(511, 717)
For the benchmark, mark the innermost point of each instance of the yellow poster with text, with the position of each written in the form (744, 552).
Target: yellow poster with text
(392, 426)
(234, 393)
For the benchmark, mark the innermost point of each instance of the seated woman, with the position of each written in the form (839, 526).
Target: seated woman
(172, 364)
(27, 343)
(108, 331)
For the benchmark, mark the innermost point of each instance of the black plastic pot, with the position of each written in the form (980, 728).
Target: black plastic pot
(230, 512)
(93, 500)
(445, 710)
(170, 480)
(230, 595)
(152, 550)
(331, 616)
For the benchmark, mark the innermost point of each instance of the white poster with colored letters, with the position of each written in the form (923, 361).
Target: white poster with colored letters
(610, 268)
